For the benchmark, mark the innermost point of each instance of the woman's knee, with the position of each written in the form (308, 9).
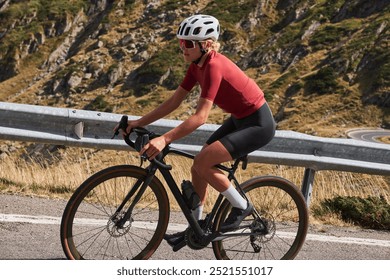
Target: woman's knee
(202, 164)
(194, 172)
(197, 167)
(198, 162)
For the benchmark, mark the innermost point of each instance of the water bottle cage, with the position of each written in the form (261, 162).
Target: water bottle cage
(190, 196)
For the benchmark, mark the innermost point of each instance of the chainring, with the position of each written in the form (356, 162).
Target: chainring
(192, 240)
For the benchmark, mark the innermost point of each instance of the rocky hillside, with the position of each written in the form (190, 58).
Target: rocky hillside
(323, 64)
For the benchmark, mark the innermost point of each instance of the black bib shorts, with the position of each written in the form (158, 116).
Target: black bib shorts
(243, 136)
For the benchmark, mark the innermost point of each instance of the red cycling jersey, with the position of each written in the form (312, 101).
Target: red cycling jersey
(225, 84)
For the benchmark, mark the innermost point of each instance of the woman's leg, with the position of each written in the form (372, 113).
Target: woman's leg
(198, 181)
(204, 163)
(200, 185)
(204, 171)
(204, 168)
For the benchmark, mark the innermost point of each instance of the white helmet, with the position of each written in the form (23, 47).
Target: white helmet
(199, 28)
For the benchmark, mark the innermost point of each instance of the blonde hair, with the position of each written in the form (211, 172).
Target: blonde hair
(213, 45)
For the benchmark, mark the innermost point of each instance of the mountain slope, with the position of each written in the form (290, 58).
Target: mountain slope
(324, 65)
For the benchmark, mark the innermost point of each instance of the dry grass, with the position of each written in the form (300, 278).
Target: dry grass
(385, 139)
(71, 168)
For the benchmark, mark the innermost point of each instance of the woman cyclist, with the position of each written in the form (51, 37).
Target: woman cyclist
(250, 126)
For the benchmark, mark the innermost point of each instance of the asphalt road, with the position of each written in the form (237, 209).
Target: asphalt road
(29, 230)
(369, 135)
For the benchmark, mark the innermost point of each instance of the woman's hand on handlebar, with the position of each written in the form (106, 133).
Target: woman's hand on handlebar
(154, 147)
(130, 126)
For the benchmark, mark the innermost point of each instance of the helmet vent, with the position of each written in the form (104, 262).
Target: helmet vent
(187, 31)
(181, 29)
(209, 31)
(197, 30)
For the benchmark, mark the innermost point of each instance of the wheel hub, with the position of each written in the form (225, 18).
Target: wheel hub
(264, 229)
(113, 227)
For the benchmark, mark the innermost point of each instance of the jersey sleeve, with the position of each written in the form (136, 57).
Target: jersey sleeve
(212, 82)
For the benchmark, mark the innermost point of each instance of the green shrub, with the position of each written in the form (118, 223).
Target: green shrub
(99, 104)
(323, 82)
(330, 35)
(371, 212)
(145, 78)
(227, 11)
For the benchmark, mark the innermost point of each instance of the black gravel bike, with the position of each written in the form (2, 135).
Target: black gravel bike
(123, 212)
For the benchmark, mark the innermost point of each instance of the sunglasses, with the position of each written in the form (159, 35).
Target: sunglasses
(188, 44)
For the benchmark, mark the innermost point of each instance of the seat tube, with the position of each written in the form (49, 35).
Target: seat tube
(183, 206)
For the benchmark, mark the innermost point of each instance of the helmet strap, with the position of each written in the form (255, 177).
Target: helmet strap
(203, 52)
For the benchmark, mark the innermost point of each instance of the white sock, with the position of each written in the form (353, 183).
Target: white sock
(234, 197)
(197, 212)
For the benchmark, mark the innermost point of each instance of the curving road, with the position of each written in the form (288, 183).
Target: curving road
(369, 135)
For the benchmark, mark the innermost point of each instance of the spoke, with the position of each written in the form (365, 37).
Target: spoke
(88, 239)
(101, 229)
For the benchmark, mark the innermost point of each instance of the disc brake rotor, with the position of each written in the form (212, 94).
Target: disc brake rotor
(114, 230)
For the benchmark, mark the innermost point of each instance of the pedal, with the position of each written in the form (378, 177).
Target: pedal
(177, 247)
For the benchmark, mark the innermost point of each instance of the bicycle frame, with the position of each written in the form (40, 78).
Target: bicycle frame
(159, 164)
(173, 186)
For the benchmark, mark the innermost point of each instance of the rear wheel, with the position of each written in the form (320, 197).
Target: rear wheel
(278, 229)
(92, 228)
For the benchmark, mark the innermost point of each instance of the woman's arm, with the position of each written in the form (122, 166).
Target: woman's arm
(192, 123)
(156, 145)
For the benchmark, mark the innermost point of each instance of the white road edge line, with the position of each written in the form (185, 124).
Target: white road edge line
(48, 220)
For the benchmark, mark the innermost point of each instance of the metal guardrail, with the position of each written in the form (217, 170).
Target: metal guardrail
(81, 128)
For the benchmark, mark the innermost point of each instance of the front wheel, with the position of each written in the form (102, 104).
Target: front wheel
(276, 230)
(92, 227)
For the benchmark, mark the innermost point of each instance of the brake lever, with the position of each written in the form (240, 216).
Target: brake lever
(122, 125)
(140, 142)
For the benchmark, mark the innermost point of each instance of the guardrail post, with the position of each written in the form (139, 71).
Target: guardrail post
(79, 129)
(307, 184)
